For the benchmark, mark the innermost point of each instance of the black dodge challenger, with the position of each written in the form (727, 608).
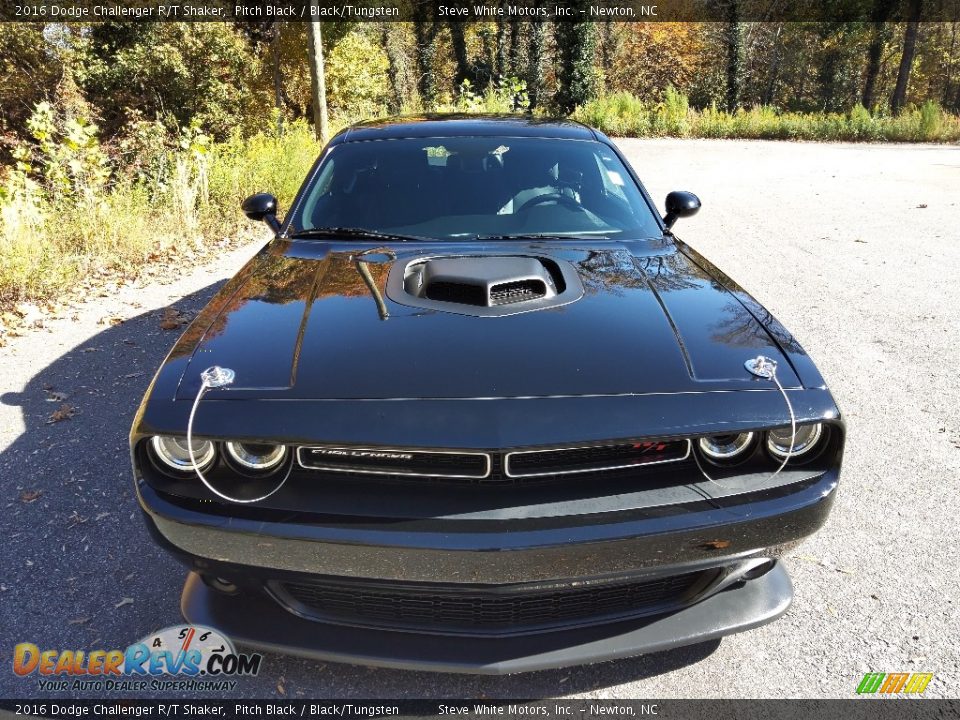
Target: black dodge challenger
(475, 408)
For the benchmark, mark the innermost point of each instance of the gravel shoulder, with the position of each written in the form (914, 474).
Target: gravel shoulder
(854, 247)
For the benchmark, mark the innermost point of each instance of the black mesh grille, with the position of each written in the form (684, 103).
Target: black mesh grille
(477, 611)
(549, 462)
(518, 291)
(457, 293)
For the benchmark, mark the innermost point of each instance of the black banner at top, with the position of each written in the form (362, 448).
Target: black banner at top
(480, 10)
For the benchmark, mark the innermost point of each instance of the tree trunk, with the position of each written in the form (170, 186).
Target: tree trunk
(501, 47)
(318, 86)
(538, 41)
(879, 16)
(770, 96)
(734, 56)
(576, 70)
(425, 32)
(513, 55)
(830, 62)
(460, 54)
(395, 68)
(277, 76)
(899, 98)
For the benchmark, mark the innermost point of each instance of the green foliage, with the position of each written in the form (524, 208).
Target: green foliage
(177, 72)
(65, 216)
(507, 95)
(624, 114)
(67, 158)
(123, 143)
(357, 81)
(577, 74)
(931, 121)
(266, 162)
(28, 71)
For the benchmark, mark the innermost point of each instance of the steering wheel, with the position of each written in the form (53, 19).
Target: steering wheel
(552, 197)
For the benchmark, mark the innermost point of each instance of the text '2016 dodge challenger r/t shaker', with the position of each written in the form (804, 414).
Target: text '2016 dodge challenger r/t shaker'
(475, 408)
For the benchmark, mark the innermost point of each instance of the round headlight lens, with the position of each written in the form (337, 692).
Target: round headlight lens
(259, 457)
(174, 453)
(725, 448)
(806, 439)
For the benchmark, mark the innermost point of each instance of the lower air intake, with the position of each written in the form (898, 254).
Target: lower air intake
(472, 611)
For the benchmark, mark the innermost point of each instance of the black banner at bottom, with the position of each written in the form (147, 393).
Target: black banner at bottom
(867, 709)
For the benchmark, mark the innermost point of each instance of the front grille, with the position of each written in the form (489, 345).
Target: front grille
(564, 461)
(402, 462)
(512, 609)
(621, 460)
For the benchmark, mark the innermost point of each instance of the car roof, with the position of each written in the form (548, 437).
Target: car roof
(429, 126)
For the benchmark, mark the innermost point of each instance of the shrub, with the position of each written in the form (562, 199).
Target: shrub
(624, 114)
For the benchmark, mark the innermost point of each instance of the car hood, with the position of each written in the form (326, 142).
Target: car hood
(306, 320)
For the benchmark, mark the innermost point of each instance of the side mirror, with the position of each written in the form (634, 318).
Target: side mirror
(680, 204)
(262, 207)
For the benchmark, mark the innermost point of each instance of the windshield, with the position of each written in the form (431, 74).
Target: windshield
(470, 187)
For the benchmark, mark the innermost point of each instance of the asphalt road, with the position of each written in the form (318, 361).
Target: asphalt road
(855, 248)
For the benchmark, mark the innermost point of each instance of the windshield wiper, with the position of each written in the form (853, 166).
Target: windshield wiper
(542, 236)
(354, 232)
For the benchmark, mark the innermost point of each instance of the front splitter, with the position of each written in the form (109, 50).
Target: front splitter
(259, 622)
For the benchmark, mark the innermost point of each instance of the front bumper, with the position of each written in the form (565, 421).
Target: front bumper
(260, 623)
(729, 537)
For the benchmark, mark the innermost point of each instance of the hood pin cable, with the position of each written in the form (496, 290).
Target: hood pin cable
(217, 377)
(766, 368)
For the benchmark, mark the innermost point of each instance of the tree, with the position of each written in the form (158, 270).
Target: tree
(899, 98)
(426, 33)
(515, 50)
(536, 53)
(396, 66)
(459, 44)
(734, 56)
(576, 71)
(318, 89)
(878, 39)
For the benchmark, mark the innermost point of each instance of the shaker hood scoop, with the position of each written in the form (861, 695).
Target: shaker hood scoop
(330, 329)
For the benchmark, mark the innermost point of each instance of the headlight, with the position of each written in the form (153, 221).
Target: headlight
(726, 448)
(259, 457)
(806, 439)
(173, 452)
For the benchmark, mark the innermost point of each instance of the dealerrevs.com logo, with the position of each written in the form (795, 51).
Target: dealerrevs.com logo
(180, 657)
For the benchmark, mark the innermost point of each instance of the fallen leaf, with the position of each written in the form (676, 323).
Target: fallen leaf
(281, 687)
(64, 412)
(78, 621)
(921, 206)
(28, 496)
(715, 544)
(125, 601)
(133, 375)
(56, 396)
(172, 319)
